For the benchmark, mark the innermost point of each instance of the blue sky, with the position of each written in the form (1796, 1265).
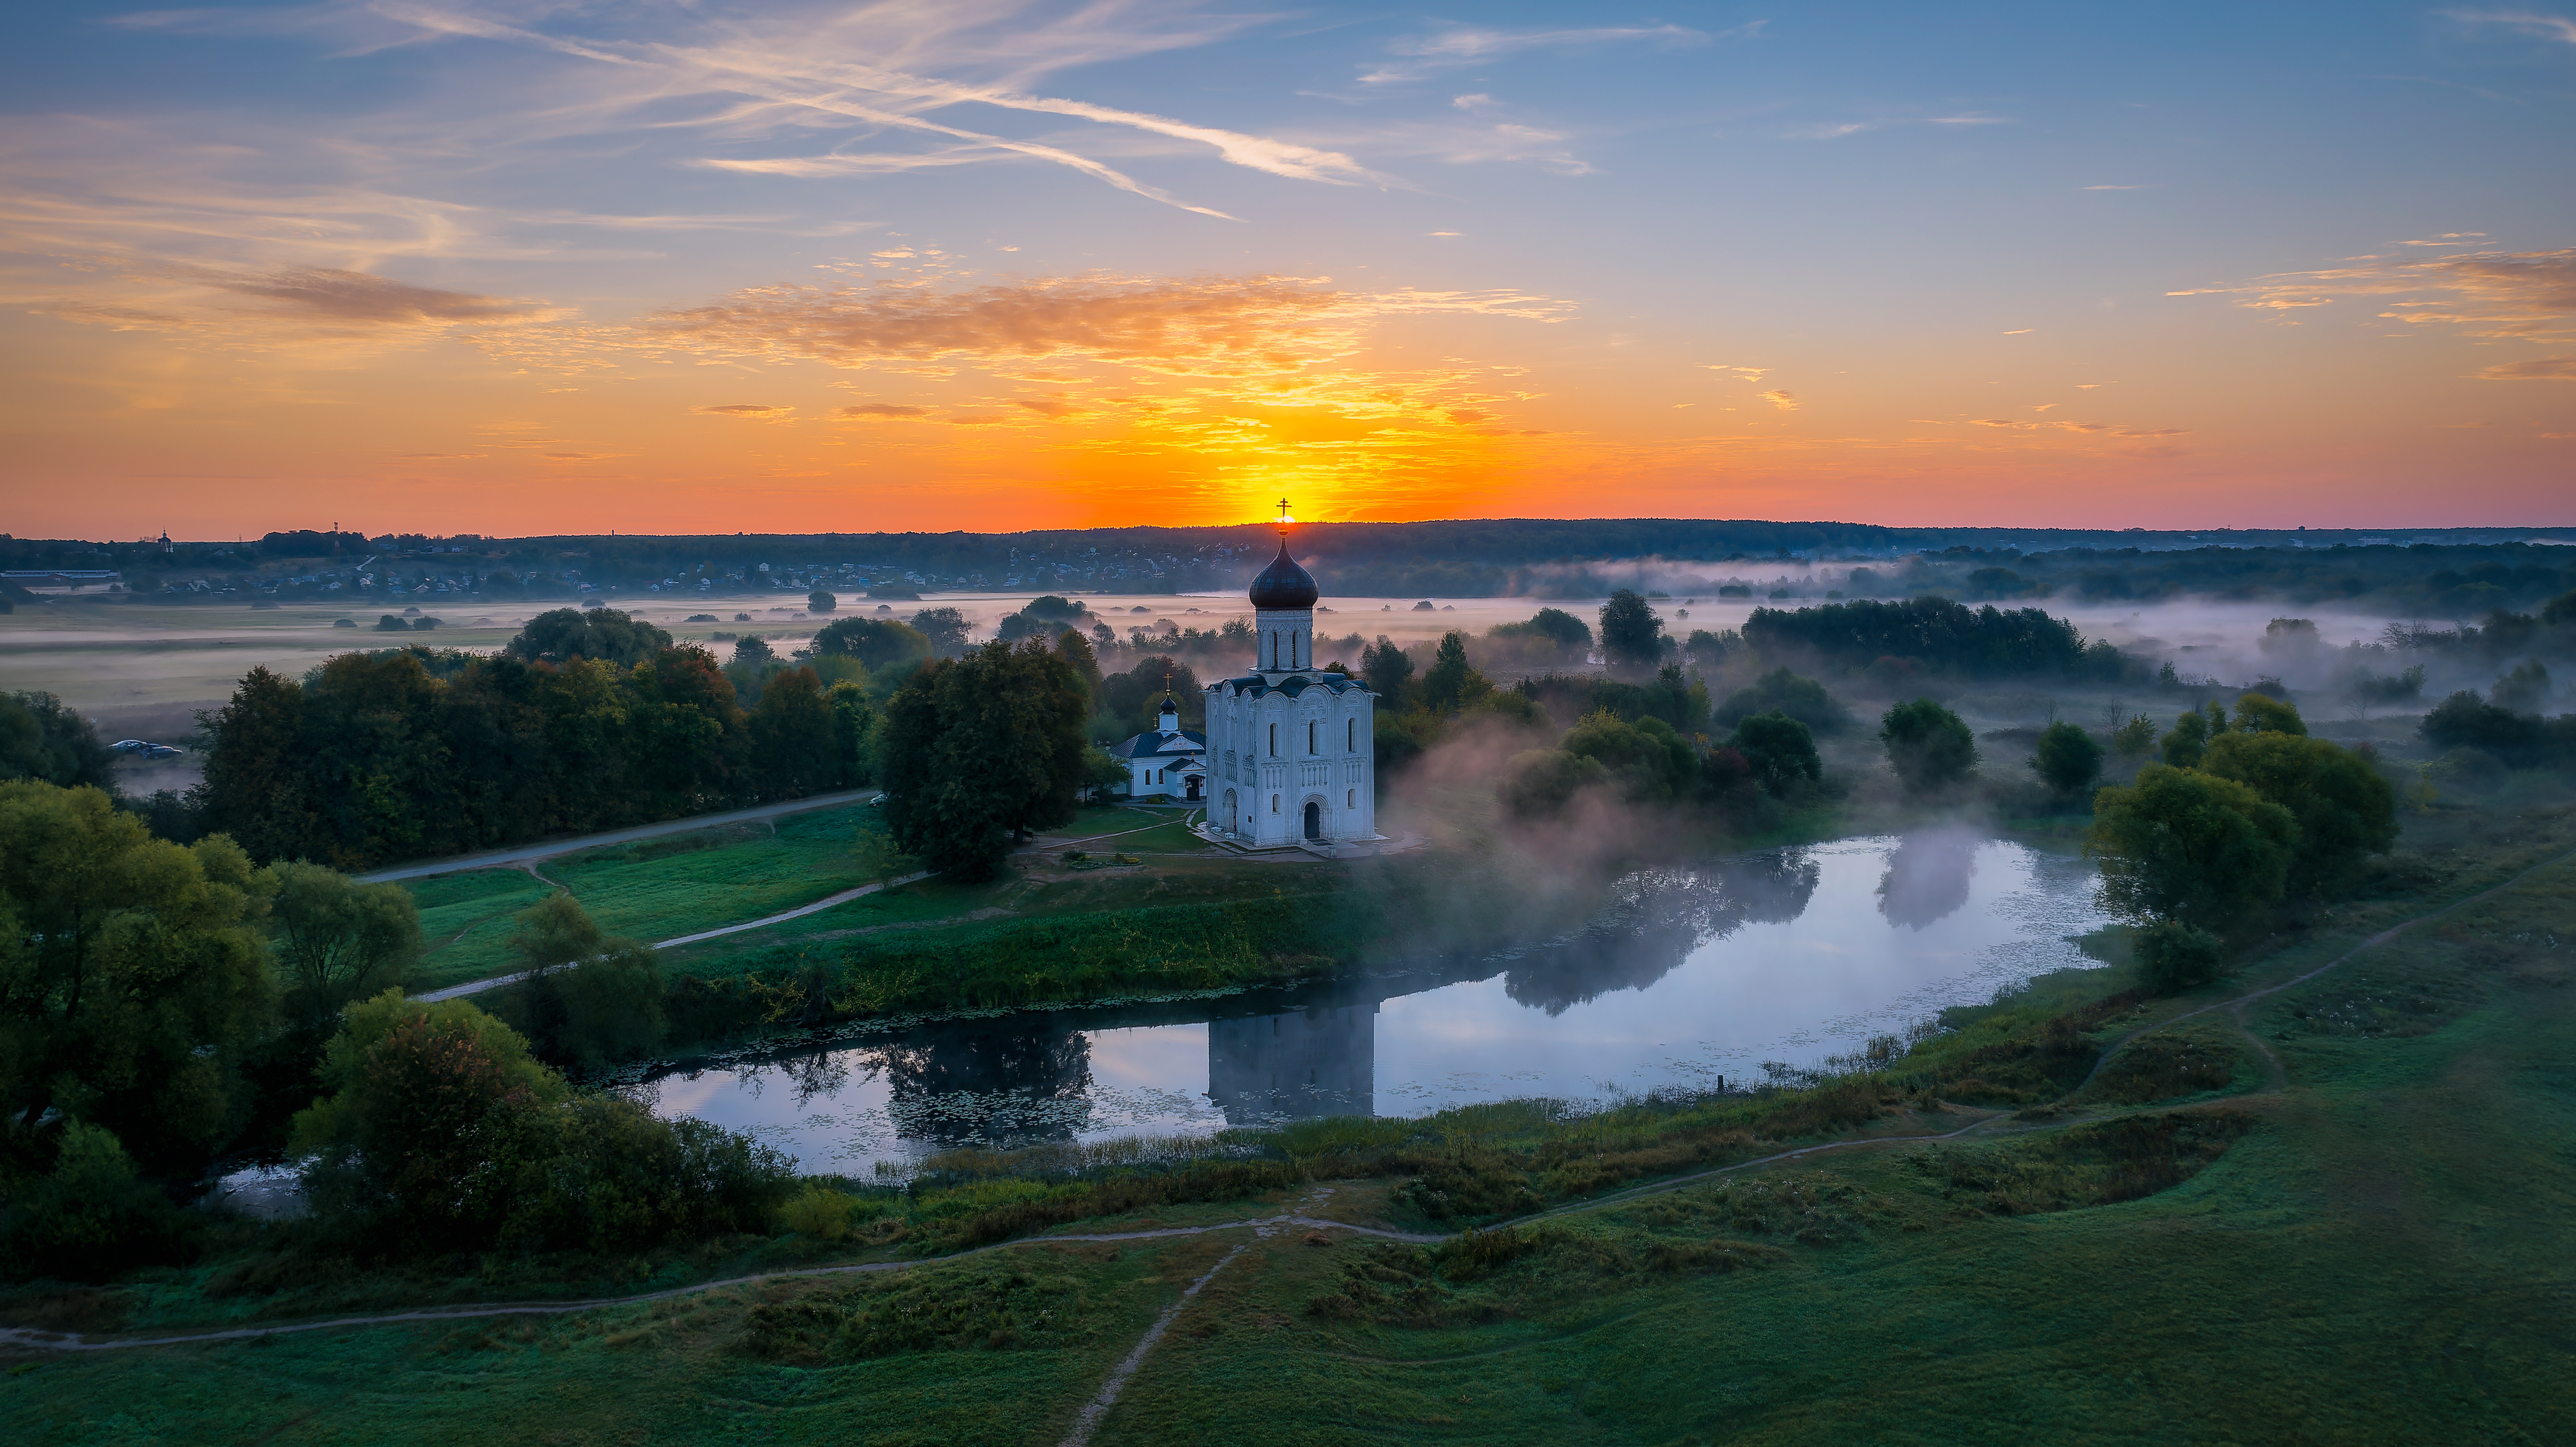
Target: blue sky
(1008, 265)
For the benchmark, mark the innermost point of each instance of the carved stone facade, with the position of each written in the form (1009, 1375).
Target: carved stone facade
(1291, 748)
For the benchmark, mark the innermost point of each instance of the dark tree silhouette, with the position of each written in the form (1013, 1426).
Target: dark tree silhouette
(1631, 633)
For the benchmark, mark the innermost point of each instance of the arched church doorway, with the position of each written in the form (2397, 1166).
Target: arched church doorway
(1314, 820)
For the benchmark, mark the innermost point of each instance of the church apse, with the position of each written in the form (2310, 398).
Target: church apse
(1321, 1061)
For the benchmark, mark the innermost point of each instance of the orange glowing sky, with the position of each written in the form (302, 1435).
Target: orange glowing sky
(525, 268)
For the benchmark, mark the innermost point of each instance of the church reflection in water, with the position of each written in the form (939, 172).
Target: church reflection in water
(1322, 1060)
(1719, 957)
(1318, 1061)
(1019, 1080)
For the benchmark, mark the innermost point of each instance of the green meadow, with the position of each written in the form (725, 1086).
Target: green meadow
(653, 889)
(2343, 1212)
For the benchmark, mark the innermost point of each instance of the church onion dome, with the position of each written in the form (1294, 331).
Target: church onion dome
(1284, 584)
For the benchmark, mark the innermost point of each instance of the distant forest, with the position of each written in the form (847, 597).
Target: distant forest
(2422, 573)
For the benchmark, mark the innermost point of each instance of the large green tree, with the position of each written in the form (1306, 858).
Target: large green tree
(2182, 746)
(1082, 658)
(1930, 747)
(946, 628)
(977, 751)
(1780, 751)
(2190, 847)
(1631, 632)
(1571, 635)
(336, 940)
(880, 643)
(1387, 669)
(1781, 691)
(1451, 682)
(795, 738)
(602, 635)
(2345, 807)
(417, 1102)
(41, 737)
(256, 769)
(132, 973)
(1647, 758)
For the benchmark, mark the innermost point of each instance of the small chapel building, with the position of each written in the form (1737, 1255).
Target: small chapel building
(1169, 763)
(1291, 748)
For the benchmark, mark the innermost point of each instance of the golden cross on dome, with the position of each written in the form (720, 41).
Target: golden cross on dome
(1284, 518)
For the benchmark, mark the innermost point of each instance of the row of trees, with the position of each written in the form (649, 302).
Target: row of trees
(1935, 634)
(2518, 737)
(586, 721)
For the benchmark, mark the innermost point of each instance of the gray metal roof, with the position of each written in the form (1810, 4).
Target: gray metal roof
(1155, 745)
(1255, 685)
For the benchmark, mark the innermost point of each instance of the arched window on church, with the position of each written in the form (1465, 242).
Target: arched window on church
(1274, 741)
(1354, 799)
(1350, 736)
(1311, 726)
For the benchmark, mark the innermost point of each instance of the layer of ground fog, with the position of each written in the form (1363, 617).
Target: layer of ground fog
(2338, 1213)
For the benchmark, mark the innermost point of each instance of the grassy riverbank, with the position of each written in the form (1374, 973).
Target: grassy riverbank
(653, 889)
(2348, 1222)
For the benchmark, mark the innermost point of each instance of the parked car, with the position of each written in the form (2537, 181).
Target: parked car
(143, 749)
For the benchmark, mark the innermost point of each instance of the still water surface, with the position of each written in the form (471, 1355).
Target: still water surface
(1785, 958)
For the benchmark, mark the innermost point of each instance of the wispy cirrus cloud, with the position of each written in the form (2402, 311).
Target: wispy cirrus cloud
(358, 298)
(2524, 295)
(1420, 57)
(1202, 326)
(2537, 369)
(2529, 23)
(2113, 429)
(312, 311)
(885, 67)
(1836, 130)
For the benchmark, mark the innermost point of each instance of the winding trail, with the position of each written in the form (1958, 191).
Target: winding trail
(503, 858)
(75, 1342)
(476, 987)
(1088, 1420)
(29, 1338)
(527, 859)
(2235, 1006)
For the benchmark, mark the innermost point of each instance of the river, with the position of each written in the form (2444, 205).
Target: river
(1737, 970)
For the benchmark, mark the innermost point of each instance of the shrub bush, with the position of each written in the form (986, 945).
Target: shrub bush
(91, 1217)
(2174, 957)
(1930, 747)
(442, 1131)
(1781, 691)
(2181, 844)
(2069, 759)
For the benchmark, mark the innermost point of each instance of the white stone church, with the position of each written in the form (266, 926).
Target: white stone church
(1291, 759)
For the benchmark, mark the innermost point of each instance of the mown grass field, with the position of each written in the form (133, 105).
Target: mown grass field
(2380, 1249)
(654, 889)
(686, 883)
